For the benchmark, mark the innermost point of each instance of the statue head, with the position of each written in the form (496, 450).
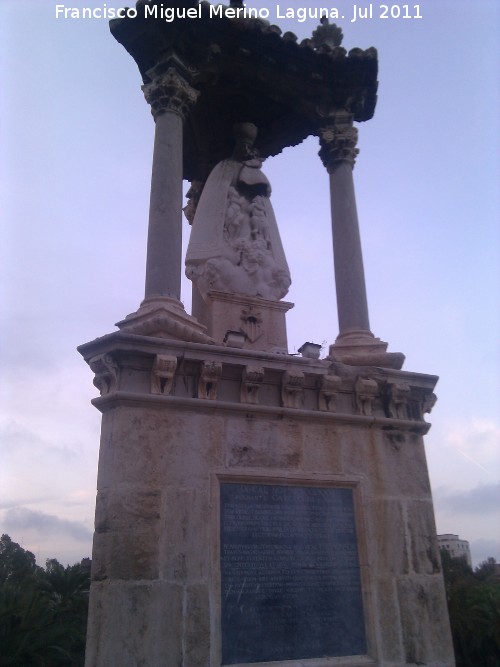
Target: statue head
(244, 135)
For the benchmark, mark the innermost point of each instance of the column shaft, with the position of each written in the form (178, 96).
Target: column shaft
(352, 303)
(164, 250)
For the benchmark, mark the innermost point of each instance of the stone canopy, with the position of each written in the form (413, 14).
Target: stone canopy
(246, 70)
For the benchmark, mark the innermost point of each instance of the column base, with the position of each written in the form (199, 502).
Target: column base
(165, 317)
(361, 348)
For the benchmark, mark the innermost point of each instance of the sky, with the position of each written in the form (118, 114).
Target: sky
(75, 168)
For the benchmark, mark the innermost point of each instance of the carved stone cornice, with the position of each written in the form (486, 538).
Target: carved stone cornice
(338, 139)
(171, 92)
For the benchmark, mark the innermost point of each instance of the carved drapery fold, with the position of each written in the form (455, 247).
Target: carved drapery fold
(170, 92)
(338, 139)
(209, 377)
(163, 373)
(106, 373)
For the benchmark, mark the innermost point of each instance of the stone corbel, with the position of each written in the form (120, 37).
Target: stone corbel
(428, 402)
(162, 374)
(366, 389)
(209, 377)
(398, 394)
(250, 384)
(329, 386)
(106, 373)
(292, 390)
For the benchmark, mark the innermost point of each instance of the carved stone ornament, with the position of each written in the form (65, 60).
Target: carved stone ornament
(162, 374)
(338, 141)
(327, 34)
(399, 393)
(209, 377)
(106, 373)
(292, 390)
(251, 323)
(329, 386)
(366, 390)
(251, 381)
(235, 246)
(193, 197)
(170, 92)
(428, 402)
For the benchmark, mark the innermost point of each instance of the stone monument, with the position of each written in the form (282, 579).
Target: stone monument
(255, 507)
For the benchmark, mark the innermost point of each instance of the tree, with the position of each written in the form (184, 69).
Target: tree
(43, 612)
(474, 610)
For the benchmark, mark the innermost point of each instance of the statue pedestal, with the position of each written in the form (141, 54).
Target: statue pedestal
(260, 322)
(256, 508)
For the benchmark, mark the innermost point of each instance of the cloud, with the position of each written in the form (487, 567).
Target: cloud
(478, 441)
(481, 550)
(21, 518)
(479, 500)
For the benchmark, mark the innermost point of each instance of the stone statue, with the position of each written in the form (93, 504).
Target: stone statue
(235, 245)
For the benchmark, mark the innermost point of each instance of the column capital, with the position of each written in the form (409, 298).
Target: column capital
(169, 91)
(338, 139)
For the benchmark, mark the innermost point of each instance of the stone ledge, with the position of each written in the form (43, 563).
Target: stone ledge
(121, 398)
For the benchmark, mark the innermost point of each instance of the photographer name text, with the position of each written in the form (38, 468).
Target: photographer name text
(299, 14)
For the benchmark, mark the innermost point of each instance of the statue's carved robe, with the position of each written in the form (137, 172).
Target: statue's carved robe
(235, 244)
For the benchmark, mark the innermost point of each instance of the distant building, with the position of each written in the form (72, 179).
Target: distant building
(456, 547)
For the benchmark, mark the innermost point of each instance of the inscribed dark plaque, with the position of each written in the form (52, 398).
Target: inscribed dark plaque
(289, 574)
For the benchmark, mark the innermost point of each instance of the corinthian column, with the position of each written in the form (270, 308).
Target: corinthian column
(162, 314)
(170, 97)
(355, 342)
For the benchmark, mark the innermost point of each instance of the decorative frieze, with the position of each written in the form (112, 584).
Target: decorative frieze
(251, 381)
(328, 389)
(106, 373)
(292, 390)
(170, 92)
(366, 389)
(209, 377)
(162, 374)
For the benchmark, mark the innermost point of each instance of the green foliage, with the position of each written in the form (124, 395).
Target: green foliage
(474, 608)
(43, 612)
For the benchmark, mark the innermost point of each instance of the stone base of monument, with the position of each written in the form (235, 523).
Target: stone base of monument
(258, 508)
(260, 322)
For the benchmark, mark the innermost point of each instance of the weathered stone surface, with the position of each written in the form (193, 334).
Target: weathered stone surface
(391, 638)
(127, 529)
(322, 448)
(264, 444)
(135, 624)
(185, 526)
(197, 645)
(422, 529)
(386, 536)
(424, 621)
